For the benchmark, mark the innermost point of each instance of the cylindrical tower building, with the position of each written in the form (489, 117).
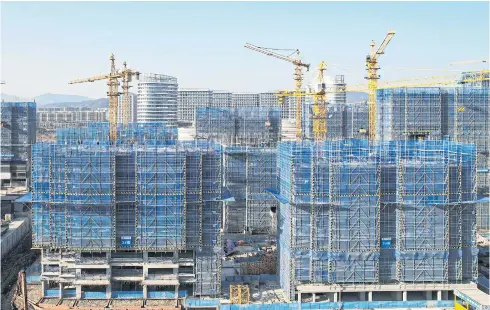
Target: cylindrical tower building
(157, 99)
(335, 88)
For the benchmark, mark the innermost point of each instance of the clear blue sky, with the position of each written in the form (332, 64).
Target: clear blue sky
(44, 45)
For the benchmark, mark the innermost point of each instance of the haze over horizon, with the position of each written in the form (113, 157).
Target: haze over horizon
(45, 45)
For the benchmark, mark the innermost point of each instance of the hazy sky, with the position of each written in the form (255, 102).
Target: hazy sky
(45, 45)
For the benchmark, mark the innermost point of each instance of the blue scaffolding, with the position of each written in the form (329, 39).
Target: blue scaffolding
(353, 211)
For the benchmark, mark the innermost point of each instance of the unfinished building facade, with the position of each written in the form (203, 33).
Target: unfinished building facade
(139, 217)
(359, 214)
(18, 130)
(249, 136)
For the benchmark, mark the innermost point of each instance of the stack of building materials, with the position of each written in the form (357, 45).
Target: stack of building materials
(356, 212)
(154, 204)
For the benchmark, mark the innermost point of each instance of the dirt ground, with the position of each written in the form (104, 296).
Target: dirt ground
(20, 258)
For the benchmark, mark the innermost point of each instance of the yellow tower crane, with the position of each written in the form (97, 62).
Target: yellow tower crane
(113, 93)
(127, 75)
(298, 76)
(373, 77)
(320, 108)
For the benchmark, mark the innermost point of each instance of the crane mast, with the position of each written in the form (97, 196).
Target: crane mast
(113, 93)
(127, 75)
(320, 108)
(372, 68)
(298, 77)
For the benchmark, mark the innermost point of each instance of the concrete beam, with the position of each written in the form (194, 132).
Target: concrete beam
(308, 288)
(160, 282)
(91, 282)
(92, 266)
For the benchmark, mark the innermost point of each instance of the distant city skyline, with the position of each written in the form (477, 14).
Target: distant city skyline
(45, 45)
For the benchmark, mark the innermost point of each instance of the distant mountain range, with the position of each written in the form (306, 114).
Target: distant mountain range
(61, 100)
(92, 103)
(45, 99)
(353, 97)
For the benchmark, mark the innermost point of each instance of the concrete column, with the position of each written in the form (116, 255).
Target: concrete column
(362, 296)
(145, 271)
(145, 256)
(405, 294)
(108, 291)
(176, 255)
(43, 288)
(439, 295)
(176, 291)
(61, 290)
(370, 296)
(145, 291)
(299, 297)
(313, 297)
(428, 295)
(335, 297)
(78, 290)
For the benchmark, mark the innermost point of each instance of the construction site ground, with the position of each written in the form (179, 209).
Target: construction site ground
(19, 258)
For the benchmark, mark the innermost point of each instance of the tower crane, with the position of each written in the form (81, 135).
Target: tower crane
(298, 76)
(320, 108)
(127, 75)
(373, 77)
(113, 93)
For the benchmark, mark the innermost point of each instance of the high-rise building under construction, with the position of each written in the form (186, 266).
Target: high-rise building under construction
(144, 216)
